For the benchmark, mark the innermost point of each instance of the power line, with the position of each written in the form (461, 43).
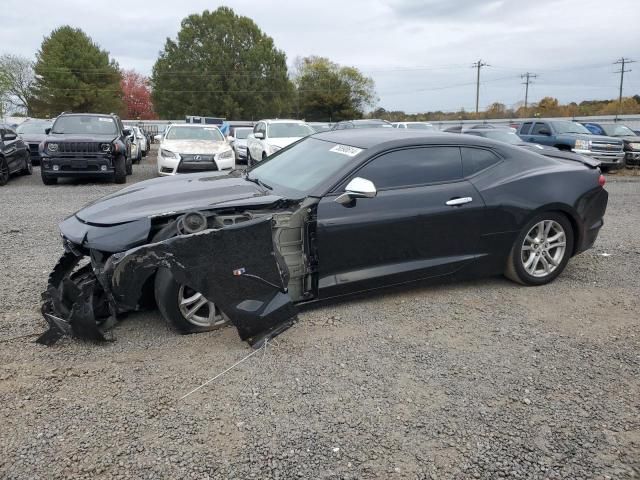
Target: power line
(478, 65)
(622, 61)
(528, 76)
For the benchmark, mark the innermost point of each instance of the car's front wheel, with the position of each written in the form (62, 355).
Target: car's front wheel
(542, 250)
(186, 309)
(120, 164)
(28, 167)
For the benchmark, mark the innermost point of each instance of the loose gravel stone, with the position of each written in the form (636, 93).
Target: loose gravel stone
(480, 379)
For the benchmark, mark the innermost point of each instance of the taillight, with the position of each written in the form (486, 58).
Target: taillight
(602, 180)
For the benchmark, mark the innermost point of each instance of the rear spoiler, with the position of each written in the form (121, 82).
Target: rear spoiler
(576, 157)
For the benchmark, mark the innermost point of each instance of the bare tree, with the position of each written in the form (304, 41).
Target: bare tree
(16, 82)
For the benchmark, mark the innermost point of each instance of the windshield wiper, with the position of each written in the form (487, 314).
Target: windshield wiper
(257, 181)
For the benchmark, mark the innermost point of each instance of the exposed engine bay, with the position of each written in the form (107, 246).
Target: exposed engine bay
(254, 264)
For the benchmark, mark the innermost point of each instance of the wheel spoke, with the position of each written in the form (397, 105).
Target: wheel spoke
(545, 264)
(557, 236)
(199, 304)
(556, 245)
(529, 261)
(547, 228)
(191, 300)
(534, 265)
(550, 259)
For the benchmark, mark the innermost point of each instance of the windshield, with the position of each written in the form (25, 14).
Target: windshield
(570, 127)
(211, 134)
(503, 136)
(321, 127)
(85, 124)
(33, 127)
(286, 130)
(242, 133)
(420, 126)
(618, 131)
(304, 166)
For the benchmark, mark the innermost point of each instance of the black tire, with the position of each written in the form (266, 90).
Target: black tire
(249, 158)
(515, 269)
(28, 167)
(4, 171)
(129, 167)
(120, 164)
(264, 156)
(167, 293)
(47, 179)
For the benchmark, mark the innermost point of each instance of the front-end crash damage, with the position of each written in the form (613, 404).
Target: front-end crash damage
(237, 266)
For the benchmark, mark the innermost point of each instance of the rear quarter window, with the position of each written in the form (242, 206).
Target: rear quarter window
(526, 127)
(475, 160)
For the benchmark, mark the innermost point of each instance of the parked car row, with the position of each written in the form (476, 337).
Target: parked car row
(73, 145)
(612, 145)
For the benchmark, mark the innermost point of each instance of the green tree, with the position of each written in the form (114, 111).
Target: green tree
(329, 92)
(74, 74)
(221, 64)
(16, 82)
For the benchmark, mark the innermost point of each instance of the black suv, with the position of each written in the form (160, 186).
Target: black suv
(86, 145)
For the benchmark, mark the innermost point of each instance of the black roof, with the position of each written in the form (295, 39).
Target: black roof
(371, 137)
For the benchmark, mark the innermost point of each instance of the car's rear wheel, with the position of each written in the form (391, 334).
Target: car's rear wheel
(129, 166)
(4, 171)
(542, 250)
(186, 309)
(120, 165)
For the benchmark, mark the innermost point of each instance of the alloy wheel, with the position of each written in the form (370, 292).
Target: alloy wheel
(543, 248)
(197, 310)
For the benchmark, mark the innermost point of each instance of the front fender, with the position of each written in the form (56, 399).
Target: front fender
(237, 267)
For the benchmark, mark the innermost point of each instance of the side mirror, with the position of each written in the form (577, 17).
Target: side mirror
(127, 132)
(9, 136)
(544, 131)
(259, 135)
(357, 188)
(157, 138)
(47, 131)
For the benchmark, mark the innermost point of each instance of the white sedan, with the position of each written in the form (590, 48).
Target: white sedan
(193, 148)
(269, 136)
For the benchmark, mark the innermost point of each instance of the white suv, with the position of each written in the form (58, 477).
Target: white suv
(269, 136)
(414, 125)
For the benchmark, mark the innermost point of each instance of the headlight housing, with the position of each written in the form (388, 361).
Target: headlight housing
(274, 148)
(583, 144)
(52, 147)
(634, 146)
(167, 153)
(105, 147)
(225, 155)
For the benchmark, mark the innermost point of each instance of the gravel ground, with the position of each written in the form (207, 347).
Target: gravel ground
(482, 379)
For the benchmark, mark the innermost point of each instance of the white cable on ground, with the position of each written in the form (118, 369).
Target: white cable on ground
(222, 373)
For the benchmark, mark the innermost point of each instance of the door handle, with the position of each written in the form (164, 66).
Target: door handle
(456, 202)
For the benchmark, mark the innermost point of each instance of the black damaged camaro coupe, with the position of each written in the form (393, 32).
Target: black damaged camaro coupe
(333, 214)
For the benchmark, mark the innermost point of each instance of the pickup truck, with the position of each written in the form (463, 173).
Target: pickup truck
(567, 135)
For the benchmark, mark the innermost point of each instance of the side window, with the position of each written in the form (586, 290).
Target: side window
(413, 166)
(526, 127)
(475, 160)
(539, 126)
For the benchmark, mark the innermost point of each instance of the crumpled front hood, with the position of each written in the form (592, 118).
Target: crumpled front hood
(180, 193)
(282, 142)
(203, 147)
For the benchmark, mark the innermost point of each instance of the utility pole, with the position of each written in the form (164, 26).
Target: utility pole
(622, 62)
(527, 76)
(478, 65)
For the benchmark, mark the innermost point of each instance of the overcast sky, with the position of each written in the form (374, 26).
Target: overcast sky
(419, 52)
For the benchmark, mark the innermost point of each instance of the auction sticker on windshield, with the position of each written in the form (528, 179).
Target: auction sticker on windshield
(346, 150)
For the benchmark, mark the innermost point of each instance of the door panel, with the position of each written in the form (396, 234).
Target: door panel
(400, 235)
(535, 137)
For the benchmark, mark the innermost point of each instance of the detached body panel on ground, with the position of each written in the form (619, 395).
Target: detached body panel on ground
(334, 214)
